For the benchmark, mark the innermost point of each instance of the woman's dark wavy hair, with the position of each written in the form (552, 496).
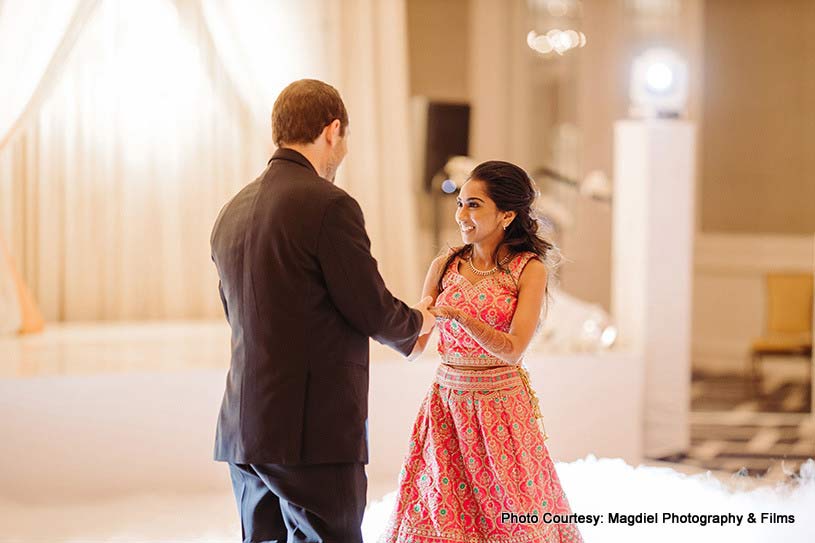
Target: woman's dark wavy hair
(511, 188)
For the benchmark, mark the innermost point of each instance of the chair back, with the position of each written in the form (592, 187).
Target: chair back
(789, 302)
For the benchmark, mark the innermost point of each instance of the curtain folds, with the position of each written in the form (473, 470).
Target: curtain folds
(35, 38)
(147, 117)
(367, 57)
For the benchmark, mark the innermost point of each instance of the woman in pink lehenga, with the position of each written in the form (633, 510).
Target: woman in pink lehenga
(477, 454)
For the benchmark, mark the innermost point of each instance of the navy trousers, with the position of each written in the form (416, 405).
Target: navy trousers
(319, 503)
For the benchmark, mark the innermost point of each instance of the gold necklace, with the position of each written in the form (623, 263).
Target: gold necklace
(488, 272)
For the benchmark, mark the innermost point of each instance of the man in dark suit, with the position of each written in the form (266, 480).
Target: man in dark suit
(302, 295)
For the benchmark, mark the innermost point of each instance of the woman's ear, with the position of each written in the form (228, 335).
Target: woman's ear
(509, 216)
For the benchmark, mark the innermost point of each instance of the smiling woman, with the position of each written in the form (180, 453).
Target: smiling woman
(478, 438)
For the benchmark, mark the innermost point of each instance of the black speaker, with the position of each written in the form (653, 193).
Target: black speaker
(447, 134)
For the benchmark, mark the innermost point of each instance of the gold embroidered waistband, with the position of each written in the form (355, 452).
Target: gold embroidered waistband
(482, 360)
(491, 379)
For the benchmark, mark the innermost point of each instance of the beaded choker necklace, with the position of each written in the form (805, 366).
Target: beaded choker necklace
(488, 272)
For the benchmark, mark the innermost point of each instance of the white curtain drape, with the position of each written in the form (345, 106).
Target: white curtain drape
(367, 57)
(160, 113)
(117, 177)
(264, 45)
(35, 37)
(359, 46)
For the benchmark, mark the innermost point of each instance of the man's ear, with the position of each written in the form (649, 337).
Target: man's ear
(332, 132)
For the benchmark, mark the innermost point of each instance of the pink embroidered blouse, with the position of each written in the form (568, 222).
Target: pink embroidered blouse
(492, 300)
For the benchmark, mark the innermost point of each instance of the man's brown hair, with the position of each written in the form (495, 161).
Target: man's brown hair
(303, 109)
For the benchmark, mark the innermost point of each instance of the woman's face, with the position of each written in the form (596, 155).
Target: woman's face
(478, 218)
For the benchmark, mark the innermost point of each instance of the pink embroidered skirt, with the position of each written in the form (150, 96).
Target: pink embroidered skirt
(475, 452)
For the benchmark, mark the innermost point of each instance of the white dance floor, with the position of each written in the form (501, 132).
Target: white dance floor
(107, 436)
(594, 486)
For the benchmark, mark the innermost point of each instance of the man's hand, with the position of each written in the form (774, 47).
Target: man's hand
(428, 320)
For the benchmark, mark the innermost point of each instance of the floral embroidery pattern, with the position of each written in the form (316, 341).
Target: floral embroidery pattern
(476, 450)
(491, 300)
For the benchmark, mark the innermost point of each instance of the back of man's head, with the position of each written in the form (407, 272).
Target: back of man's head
(303, 109)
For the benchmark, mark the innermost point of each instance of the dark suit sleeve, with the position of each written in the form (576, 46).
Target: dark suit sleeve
(354, 282)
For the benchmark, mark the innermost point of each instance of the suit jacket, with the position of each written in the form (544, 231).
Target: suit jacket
(302, 295)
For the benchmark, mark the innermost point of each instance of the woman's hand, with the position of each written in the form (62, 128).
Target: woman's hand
(445, 312)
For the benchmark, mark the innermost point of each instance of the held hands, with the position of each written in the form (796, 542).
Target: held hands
(431, 314)
(428, 320)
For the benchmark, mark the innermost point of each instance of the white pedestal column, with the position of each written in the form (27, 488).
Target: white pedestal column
(652, 268)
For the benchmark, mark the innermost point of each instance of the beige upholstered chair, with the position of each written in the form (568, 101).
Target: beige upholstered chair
(788, 320)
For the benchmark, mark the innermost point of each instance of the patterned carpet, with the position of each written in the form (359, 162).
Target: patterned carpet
(738, 429)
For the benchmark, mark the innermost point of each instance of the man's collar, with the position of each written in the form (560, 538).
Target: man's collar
(291, 155)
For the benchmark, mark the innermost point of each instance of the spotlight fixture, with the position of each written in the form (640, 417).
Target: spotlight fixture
(659, 84)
